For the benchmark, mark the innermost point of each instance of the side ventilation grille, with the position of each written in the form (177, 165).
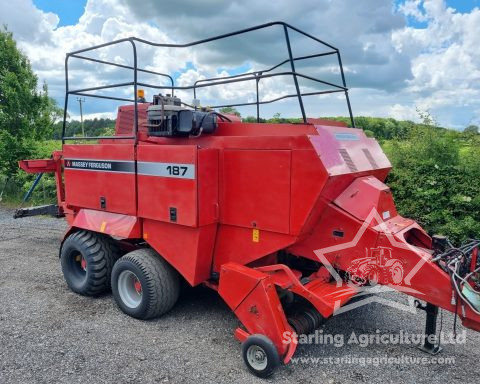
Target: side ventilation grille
(370, 158)
(348, 160)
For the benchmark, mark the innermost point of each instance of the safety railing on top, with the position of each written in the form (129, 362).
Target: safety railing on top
(210, 82)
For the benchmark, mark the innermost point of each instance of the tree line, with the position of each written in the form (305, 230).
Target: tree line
(90, 127)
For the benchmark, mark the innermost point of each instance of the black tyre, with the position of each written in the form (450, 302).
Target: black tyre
(87, 260)
(144, 285)
(260, 355)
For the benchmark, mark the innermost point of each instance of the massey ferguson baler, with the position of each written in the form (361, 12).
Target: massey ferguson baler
(287, 222)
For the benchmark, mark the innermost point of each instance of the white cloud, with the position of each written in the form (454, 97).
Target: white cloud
(403, 112)
(414, 9)
(391, 67)
(24, 19)
(445, 61)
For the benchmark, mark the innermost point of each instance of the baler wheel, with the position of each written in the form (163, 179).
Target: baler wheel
(144, 285)
(260, 355)
(87, 260)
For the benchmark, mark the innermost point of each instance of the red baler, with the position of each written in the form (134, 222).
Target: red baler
(288, 222)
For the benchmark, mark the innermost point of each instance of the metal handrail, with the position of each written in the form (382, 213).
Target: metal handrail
(262, 71)
(125, 67)
(249, 76)
(276, 99)
(203, 41)
(260, 76)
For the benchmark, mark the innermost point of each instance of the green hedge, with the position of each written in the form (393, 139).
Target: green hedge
(435, 180)
(15, 186)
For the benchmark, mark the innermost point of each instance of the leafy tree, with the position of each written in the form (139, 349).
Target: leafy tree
(92, 127)
(230, 111)
(471, 129)
(26, 113)
(426, 117)
(249, 119)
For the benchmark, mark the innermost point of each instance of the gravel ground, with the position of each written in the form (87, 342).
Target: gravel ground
(49, 334)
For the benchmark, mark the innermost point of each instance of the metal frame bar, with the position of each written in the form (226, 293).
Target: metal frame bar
(203, 83)
(238, 80)
(295, 80)
(276, 99)
(96, 137)
(102, 97)
(254, 74)
(126, 67)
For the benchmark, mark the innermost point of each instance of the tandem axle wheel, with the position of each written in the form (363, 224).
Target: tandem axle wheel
(144, 285)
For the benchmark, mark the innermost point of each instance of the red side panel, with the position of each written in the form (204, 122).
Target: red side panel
(256, 189)
(182, 178)
(125, 119)
(38, 166)
(167, 181)
(308, 178)
(100, 172)
(237, 282)
(254, 299)
(346, 153)
(336, 228)
(188, 250)
(348, 150)
(126, 227)
(185, 178)
(208, 208)
(363, 195)
(243, 245)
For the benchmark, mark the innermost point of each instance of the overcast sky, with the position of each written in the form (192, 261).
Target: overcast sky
(398, 55)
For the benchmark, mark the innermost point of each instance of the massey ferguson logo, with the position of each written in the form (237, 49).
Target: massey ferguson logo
(82, 164)
(100, 165)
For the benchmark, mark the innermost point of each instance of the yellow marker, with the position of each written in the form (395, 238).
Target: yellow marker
(255, 235)
(102, 227)
(145, 236)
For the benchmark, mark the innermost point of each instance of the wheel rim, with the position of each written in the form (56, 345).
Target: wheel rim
(79, 265)
(130, 289)
(82, 261)
(257, 357)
